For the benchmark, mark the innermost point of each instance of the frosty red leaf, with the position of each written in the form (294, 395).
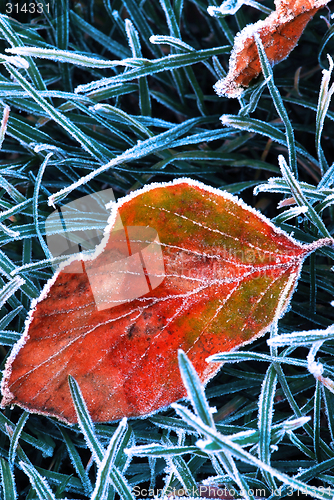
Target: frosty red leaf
(228, 274)
(279, 33)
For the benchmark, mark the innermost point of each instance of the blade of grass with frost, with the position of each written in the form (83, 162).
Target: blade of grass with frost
(324, 100)
(87, 143)
(42, 264)
(17, 61)
(62, 37)
(237, 357)
(68, 56)
(217, 442)
(168, 63)
(35, 205)
(3, 126)
(144, 148)
(10, 288)
(311, 473)
(195, 389)
(208, 136)
(8, 337)
(11, 190)
(301, 200)
(160, 451)
(195, 393)
(208, 155)
(329, 410)
(175, 32)
(306, 337)
(326, 203)
(263, 128)
(181, 471)
(108, 43)
(42, 443)
(107, 109)
(179, 74)
(144, 93)
(243, 438)
(277, 100)
(317, 420)
(9, 232)
(8, 481)
(140, 20)
(279, 185)
(249, 108)
(14, 40)
(172, 41)
(230, 7)
(289, 214)
(77, 463)
(301, 446)
(107, 472)
(39, 484)
(265, 419)
(85, 422)
(27, 285)
(15, 436)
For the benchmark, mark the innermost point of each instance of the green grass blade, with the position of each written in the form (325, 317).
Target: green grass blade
(194, 389)
(266, 410)
(324, 100)
(16, 436)
(39, 484)
(85, 422)
(8, 480)
(278, 102)
(77, 463)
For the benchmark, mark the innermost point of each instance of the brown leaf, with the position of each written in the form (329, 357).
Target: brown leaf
(279, 33)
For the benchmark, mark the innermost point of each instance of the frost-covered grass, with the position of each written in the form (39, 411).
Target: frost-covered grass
(117, 94)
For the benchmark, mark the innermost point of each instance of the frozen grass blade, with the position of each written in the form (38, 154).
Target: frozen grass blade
(15, 41)
(149, 68)
(67, 56)
(153, 144)
(85, 422)
(181, 471)
(8, 481)
(107, 472)
(197, 397)
(144, 94)
(10, 288)
(301, 199)
(77, 463)
(259, 127)
(306, 337)
(236, 357)
(324, 100)
(16, 436)
(195, 390)
(216, 442)
(172, 41)
(39, 484)
(87, 143)
(35, 205)
(277, 100)
(140, 21)
(3, 126)
(317, 420)
(266, 411)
